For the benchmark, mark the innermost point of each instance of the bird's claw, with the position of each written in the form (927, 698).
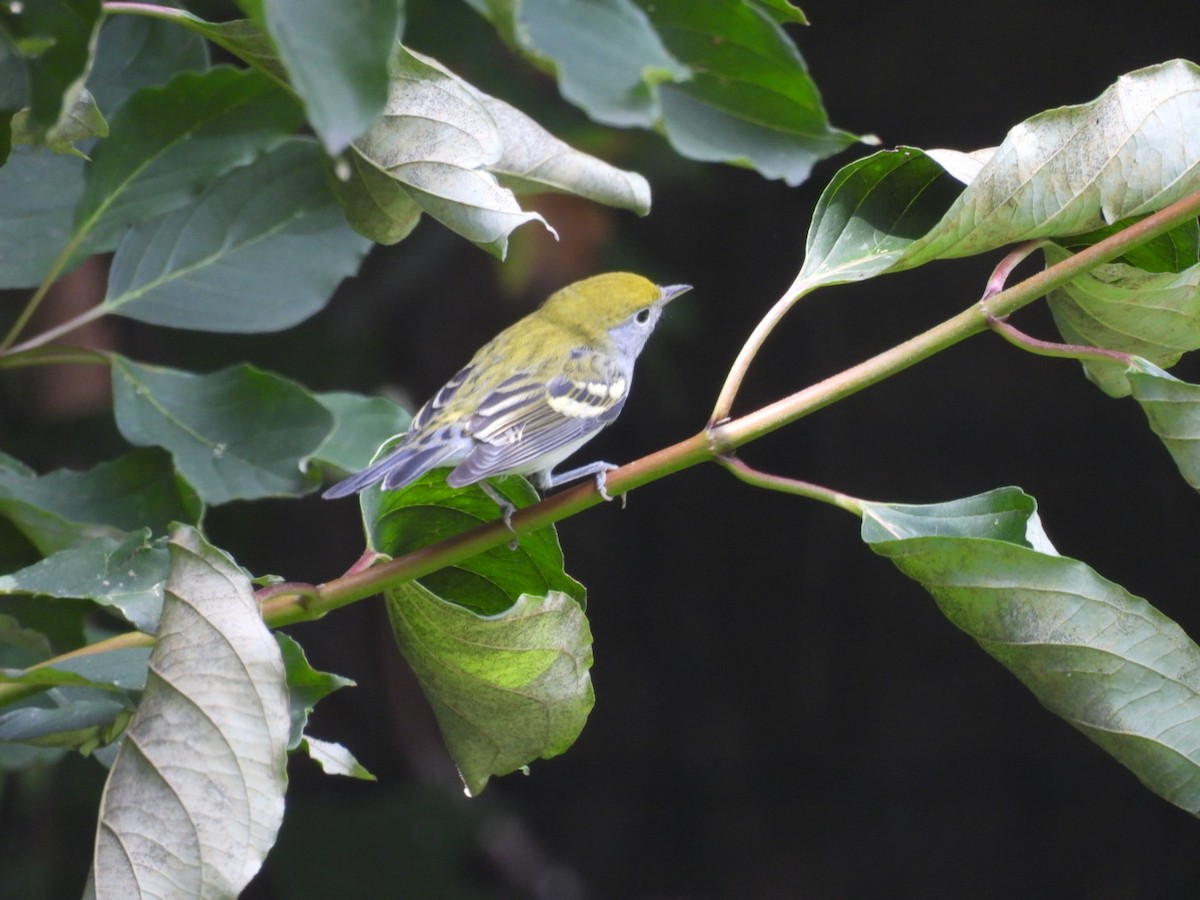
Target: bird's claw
(602, 487)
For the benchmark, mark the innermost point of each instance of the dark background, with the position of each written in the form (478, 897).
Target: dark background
(779, 712)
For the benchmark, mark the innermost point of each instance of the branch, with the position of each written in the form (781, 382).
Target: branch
(727, 436)
(299, 603)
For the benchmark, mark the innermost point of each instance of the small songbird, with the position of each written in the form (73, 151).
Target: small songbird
(533, 395)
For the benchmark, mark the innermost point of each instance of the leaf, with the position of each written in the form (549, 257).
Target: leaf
(306, 686)
(1173, 410)
(749, 100)
(334, 759)
(35, 223)
(82, 122)
(260, 250)
(1152, 315)
(606, 54)
(436, 141)
(781, 11)
(68, 509)
(70, 718)
(1172, 251)
(213, 426)
(167, 143)
(871, 211)
(376, 205)
(499, 642)
(1104, 660)
(195, 796)
(428, 510)
(1061, 173)
(126, 575)
(134, 52)
(18, 641)
(32, 629)
(505, 689)
(360, 425)
(1130, 152)
(721, 79)
(55, 37)
(533, 160)
(336, 55)
(121, 670)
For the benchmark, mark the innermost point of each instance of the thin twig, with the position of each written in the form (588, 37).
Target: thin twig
(793, 486)
(1018, 338)
(741, 365)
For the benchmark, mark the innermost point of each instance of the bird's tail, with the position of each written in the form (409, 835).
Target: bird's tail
(402, 466)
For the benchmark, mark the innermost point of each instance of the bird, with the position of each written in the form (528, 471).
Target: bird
(533, 395)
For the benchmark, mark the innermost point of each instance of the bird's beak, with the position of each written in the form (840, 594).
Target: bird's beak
(671, 291)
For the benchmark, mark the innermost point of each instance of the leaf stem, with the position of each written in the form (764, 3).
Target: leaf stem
(56, 355)
(1004, 268)
(795, 486)
(741, 365)
(1018, 338)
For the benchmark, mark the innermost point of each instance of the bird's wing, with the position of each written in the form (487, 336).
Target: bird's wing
(525, 418)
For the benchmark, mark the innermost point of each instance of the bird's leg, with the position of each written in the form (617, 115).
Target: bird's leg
(506, 508)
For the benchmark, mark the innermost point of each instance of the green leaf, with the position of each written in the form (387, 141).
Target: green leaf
(306, 686)
(1104, 660)
(1173, 410)
(750, 99)
(361, 424)
(334, 759)
(376, 204)
(56, 39)
(1172, 251)
(1054, 176)
(506, 689)
(1130, 152)
(35, 223)
(165, 144)
(68, 509)
(122, 670)
(68, 717)
(125, 575)
(781, 11)
(136, 52)
(213, 426)
(1152, 315)
(428, 510)
(36, 628)
(195, 795)
(21, 646)
(336, 55)
(260, 250)
(247, 40)
(606, 54)
(872, 211)
(82, 122)
(499, 642)
(14, 76)
(721, 79)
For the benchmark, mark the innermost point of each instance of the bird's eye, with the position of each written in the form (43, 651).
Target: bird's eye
(642, 316)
